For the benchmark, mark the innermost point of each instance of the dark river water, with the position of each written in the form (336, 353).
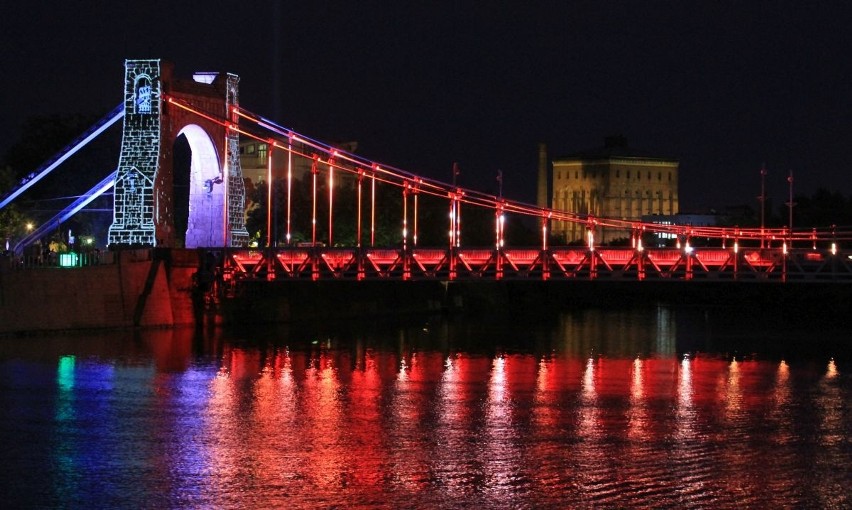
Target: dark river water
(649, 407)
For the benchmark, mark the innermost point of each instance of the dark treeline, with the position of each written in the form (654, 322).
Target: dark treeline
(822, 209)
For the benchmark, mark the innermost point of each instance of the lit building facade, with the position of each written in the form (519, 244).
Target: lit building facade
(613, 181)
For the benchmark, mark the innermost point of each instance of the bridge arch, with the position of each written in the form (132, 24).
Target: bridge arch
(206, 194)
(144, 215)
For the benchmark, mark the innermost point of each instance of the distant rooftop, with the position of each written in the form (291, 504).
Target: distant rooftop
(615, 147)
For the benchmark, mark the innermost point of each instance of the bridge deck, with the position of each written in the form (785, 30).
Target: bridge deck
(560, 263)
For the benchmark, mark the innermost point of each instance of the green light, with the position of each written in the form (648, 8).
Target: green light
(65, 372)
(68, 259)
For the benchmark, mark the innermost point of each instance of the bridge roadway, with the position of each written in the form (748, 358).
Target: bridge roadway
(557, 263)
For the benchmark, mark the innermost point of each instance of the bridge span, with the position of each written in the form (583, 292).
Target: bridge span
(235, 265)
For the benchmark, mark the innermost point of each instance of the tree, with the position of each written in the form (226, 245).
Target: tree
(13, 223)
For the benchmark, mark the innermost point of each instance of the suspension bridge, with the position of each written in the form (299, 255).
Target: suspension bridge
(157, 108)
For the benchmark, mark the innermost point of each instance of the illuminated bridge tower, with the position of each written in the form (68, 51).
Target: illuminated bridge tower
(144, 204)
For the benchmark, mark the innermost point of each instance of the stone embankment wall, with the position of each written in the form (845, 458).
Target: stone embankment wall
(132, 288)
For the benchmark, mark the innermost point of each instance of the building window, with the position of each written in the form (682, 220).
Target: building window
(250, 148)
(670, 177)
(261, 151)
(628, 175)
(617, 173)
(659, 176)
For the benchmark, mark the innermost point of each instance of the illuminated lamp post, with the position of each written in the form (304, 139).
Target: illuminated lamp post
(271, 145)
(289, 181)
(358, 225)
(762, 199)
(406, 268)
(455, 210)
(459, 194)
(498, 211)
(415, 189)
(314, 172)
(593, 262)
(736, 252)
(405, 216)
(834, 239)
(331, 200)
(373, 206)
(790, 205)
(545, 261)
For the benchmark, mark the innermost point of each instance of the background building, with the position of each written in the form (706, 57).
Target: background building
(254, 159)
(613, 181)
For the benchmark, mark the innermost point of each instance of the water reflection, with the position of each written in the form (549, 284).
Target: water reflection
(593, 408)
(66, 450)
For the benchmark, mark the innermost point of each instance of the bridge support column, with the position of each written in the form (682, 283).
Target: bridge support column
(737, 258)
(270, 263)
(406, 264)
(593, 264)
(315, 263)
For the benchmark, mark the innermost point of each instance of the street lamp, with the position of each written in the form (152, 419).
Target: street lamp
(790, 204)
(762, 199)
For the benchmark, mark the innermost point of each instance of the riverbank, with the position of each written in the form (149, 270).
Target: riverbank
(127, 289)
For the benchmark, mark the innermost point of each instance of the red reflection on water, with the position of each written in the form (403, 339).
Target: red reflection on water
(459, 420)
(332, 427)
(558, 378)
(365, 422)
(417, 379)
(831, 425)
(325, 426)
(511, 388)
(637, 414)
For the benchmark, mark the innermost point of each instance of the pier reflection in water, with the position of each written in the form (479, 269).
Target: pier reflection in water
(643, 408)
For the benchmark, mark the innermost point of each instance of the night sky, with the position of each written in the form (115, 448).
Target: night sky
(721, 86)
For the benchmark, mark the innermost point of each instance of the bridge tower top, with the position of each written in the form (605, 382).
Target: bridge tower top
(146, 209)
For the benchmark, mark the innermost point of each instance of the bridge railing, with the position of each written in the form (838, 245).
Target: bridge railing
(74, 259)
(559, 263)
